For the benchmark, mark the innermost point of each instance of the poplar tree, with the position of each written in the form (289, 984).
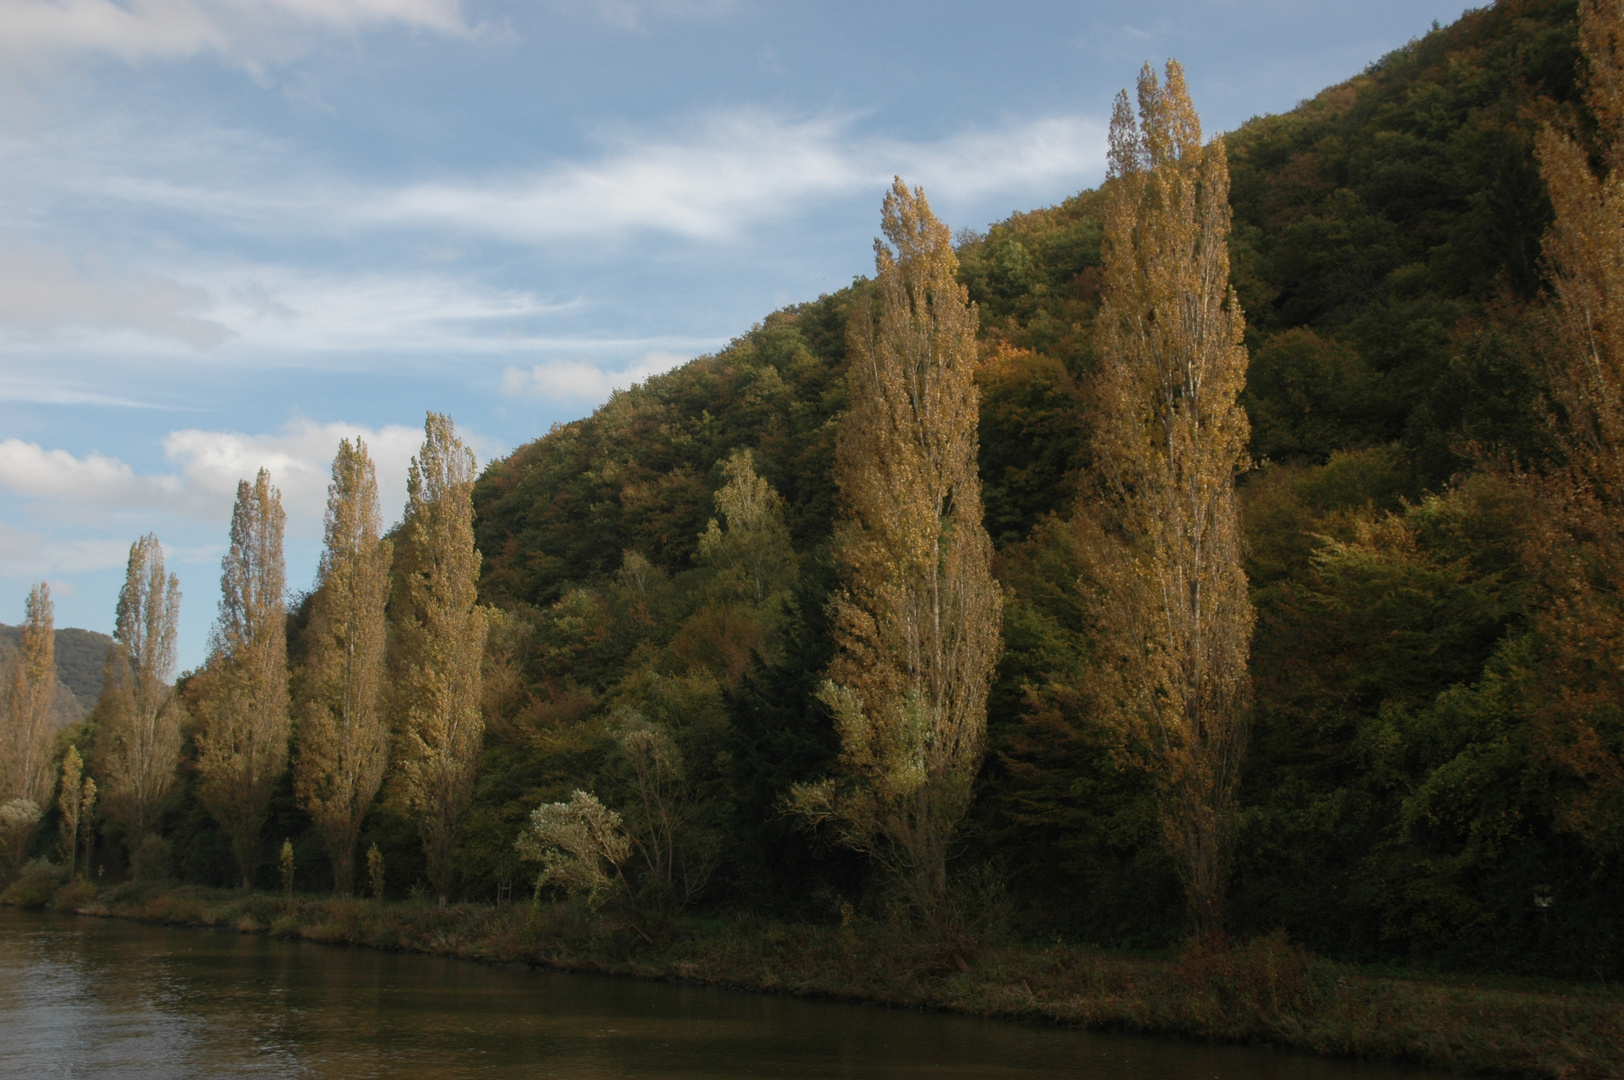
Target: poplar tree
(917, 622)
(343, 737)
(29, 708)
(1169, 440)
(440, 630)
(141, 718)
(1578, 547)
(75, 796)
(243, 692)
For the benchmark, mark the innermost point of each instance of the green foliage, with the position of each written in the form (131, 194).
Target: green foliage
(1388, 215)
(1397, 802)
(36, 885)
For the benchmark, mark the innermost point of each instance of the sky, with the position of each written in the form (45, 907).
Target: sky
(233, 232)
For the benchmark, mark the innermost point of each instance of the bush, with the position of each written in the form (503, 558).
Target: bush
(36, 886)
(78, 893)
(151, 860)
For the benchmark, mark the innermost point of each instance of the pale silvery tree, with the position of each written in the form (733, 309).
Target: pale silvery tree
(138, 746)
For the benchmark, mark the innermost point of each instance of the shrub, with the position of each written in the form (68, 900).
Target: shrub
(36, 886)
(151, 860)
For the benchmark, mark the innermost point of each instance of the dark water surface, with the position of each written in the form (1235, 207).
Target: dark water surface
(83, 997)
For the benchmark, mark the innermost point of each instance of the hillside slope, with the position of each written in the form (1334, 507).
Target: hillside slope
(1386, 249)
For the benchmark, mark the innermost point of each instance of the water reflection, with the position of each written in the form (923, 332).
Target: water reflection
(92, 997)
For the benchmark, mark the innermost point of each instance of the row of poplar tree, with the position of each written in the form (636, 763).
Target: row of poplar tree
(917, 617)
(393, 672)
(390, 678)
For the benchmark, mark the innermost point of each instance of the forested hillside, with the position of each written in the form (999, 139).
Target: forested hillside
(1421, 784)
(80, 655)
(1386, 250)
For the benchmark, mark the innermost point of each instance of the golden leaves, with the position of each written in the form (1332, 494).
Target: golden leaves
(1170, 436)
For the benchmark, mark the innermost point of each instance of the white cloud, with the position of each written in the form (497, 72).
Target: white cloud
(29, 470)
(580, 381)
(1027, 156)
(738, 169)
(299, 458)
(733, 170)
(44, 293)
(32, 31)
(711, 180)
(207, 465)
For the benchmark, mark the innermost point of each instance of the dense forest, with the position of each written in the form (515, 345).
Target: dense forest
(1411, 790)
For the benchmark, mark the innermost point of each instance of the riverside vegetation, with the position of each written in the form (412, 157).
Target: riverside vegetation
(1220, 570)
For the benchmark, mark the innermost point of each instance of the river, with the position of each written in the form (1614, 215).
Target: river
(86, 997)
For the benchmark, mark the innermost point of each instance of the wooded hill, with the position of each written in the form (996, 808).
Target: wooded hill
(80, 657)
(1386, 250)
(1398, 801)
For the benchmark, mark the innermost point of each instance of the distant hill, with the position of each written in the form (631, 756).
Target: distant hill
(80, 656)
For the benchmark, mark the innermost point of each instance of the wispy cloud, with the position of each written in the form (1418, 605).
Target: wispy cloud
(583, 381)
(727, 173)
(34, 32)
(249, 289)
(46, 294)
(51, 305)
(711, 178)
(30, 553)
(735, 170)
(1026, 156)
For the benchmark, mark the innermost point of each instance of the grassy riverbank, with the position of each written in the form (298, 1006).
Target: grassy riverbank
(1265, 991)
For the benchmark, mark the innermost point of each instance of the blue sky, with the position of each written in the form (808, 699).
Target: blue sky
(234, 231)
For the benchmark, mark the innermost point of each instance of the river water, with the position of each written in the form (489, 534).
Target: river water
(85, 997)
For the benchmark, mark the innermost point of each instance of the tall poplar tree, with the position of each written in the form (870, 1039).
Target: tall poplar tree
(440, 630)
(343, 736)
(138, 746)
(242, 746)
(917, 622)
(29, 706)
(1169, 440)
(1578, 695)
(76, 794)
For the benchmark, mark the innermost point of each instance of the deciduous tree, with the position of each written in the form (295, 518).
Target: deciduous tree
(1169, 439)
(343, 736)
(140, 716)
(75, 796)
(26, 714)
(917, 624)
(243, 692)
(440, 631)
(1578, 551)
(750, 545)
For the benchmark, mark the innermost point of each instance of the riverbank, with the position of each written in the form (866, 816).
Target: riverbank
(1263, 992)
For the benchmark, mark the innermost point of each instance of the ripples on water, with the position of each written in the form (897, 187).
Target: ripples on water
(83, 997)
